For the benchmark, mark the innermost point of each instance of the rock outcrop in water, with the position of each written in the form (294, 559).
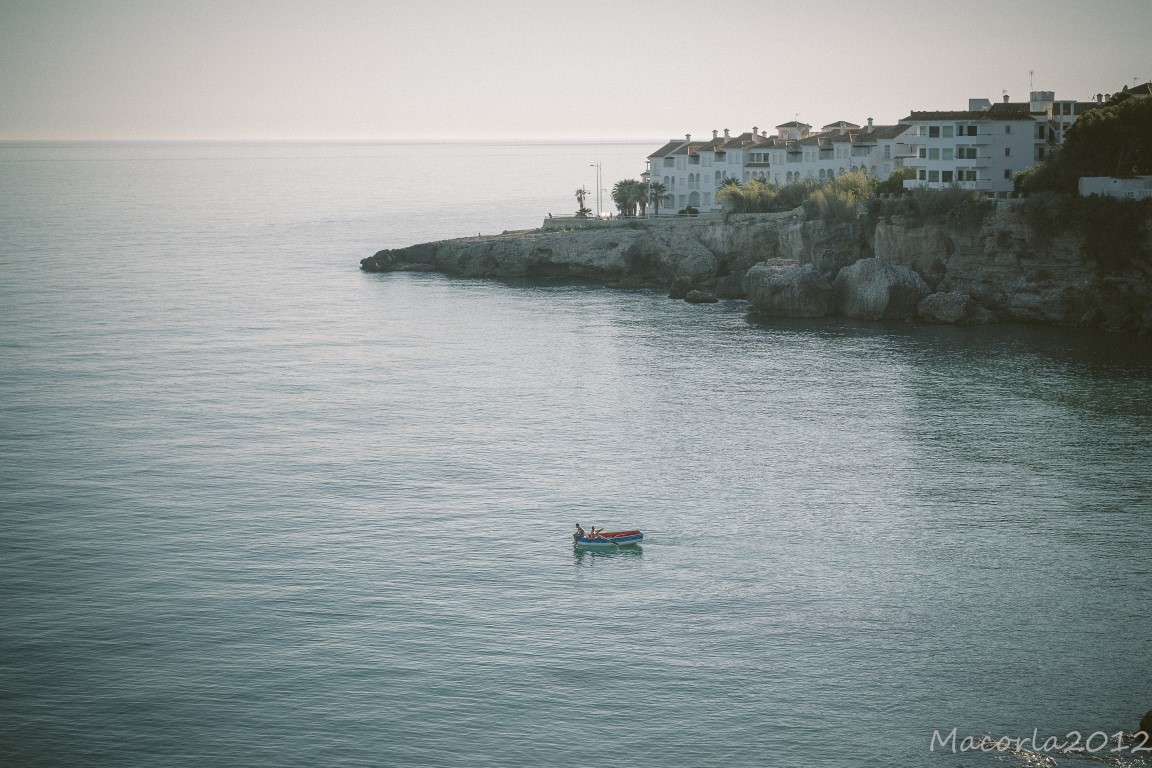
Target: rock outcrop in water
(787, 288)
(874, 289)
(785, 265)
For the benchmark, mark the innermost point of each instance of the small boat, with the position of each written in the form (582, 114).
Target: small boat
(610, 539)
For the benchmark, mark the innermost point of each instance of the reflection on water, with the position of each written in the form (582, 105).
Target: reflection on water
(585, 556)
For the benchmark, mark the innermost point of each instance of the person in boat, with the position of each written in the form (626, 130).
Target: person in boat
(579, 534)
(597, 533)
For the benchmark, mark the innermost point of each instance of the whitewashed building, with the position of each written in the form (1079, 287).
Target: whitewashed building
(981, 148)
(1137, 188)
(985, 146)
(693, 171)
(839, 148)
(1061, 114)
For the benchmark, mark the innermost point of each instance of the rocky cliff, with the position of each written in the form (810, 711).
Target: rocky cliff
(997, 269)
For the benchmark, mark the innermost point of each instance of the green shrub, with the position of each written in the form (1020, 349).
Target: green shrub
(894, 184)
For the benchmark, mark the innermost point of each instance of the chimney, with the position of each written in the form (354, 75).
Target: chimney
(1005, 98)
(725, 134)
(843, 128)
(1099, 98)
(688, 138)
(755, 130)
(715, 133)
(869, 125)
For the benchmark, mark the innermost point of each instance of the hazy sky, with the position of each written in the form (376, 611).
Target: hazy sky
(249, 69)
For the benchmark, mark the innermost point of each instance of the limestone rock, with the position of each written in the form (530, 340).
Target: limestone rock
(700, 297)
(944, 307)
(1009, 271)
(873, 289)
(730, 286)
(785, 288)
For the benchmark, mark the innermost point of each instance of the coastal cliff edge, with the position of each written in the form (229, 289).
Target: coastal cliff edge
(998, 270)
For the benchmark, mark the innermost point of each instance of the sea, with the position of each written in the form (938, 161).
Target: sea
(261, 508)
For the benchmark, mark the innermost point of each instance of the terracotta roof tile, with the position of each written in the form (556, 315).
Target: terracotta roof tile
(666, 149)
(967, 116)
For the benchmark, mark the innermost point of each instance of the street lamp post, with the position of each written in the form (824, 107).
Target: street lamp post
(599, 205)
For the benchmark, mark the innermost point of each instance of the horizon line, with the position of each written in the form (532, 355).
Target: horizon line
(332, 140)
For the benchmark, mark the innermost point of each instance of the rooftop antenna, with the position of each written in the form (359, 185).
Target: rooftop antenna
(1031, 87)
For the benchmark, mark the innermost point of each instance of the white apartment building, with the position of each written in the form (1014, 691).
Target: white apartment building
(981, 148)
(692, 172)
(985, 146)
(1061, 115)
(839, 148)
(973, 149)
(1136, 188)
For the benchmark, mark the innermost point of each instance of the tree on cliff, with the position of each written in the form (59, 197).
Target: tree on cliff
(580, 195)
(656, 193)
(627, 194)
(1113, 140)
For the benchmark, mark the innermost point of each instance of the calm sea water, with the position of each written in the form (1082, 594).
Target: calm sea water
(258, 508)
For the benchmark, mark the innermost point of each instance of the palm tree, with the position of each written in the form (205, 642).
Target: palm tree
(626, 194)
(580, 195)
(656, 193)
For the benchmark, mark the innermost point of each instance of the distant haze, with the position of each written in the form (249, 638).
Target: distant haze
(434, 69)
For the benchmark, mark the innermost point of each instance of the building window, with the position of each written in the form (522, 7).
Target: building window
(1008, 128)
(946, 177)
(946, 153)
(933, 176)
(1007, 151)
(921, 175)
(947, 131)
(934, 153)
(1008, 173)
(669, 162)
(933, 131)
(887, 151)
(922, 153)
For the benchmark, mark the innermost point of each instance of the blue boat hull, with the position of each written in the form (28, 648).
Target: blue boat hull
(611, 542)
